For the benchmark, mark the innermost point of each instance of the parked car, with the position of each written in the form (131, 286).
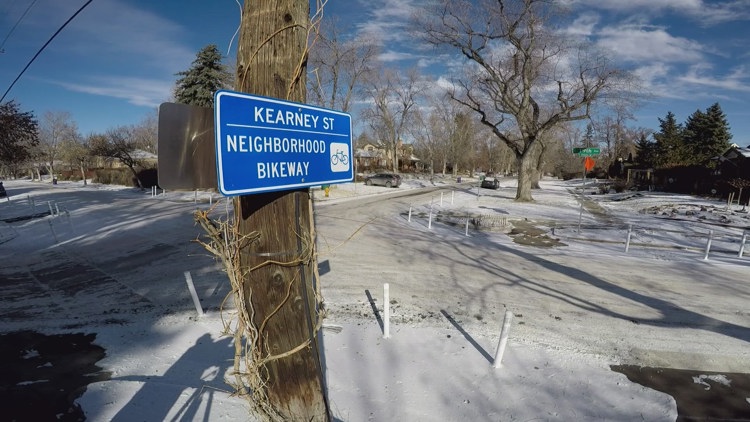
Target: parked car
(384, 179)
(490, 183)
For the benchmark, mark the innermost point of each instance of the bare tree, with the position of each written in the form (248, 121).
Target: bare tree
(523, 80)
(493, 155)
(564, 162)
(56, 127)
(120, 144)
(435, 133)
(338, 67)
(77, 152)
(428, 129)
(463, 142)
(146, 132)
(393, 102)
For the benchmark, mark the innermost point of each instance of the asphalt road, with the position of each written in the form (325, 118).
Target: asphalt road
(689, 315)
(647, 313)
(667, 324)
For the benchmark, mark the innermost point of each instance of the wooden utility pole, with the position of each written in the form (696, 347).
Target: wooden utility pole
(279, 268)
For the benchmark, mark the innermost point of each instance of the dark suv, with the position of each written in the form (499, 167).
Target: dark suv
(384, 179)
(490, 183)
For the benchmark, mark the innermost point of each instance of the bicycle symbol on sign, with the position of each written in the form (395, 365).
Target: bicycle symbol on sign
(339, 156)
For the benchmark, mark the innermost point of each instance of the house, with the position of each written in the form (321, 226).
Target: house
(734, 163)
(371, 157)
(147, 159)
(378, 156)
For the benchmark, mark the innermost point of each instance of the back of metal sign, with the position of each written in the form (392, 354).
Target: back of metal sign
(187, 153)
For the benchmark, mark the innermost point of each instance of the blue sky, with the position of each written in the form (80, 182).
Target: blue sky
(116, 62)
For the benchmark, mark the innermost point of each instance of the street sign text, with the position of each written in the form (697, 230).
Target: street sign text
(265, 144)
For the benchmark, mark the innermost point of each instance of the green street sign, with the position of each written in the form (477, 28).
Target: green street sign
(586, 152)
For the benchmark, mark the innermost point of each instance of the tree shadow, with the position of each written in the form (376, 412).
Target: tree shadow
(375, 310)
(196, 369)
(466, 335)
(481, 251)
(672, 314)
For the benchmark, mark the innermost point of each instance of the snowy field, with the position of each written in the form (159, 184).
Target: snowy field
(168, 363)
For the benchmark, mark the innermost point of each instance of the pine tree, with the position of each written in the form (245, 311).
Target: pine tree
(207, 75)
(670, 150)
(19, 134)
(646, 152)
(706, 135)
(588, 137)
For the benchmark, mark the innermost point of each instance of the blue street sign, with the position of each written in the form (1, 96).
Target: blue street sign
(264, 144)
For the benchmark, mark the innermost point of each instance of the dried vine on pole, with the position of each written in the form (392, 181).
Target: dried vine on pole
(268, 247)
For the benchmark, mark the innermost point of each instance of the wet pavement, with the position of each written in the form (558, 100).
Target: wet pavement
(41, 376)
(700, 395)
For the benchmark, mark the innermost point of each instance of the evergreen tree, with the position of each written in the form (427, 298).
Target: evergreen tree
(207, 75)
(706, 135)
(646, 152)
(588, 137)
(19, 135)
(670, 150)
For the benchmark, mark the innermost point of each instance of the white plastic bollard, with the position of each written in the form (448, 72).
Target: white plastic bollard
(429, 220)
(742, 244)
(503, 340)
(52, 229)
(453, 193)
(467, 226)
(70, 223)
(627, 242)
(410, 213)
(191, 287)
(441, 199)
(386, 311)
(708, 244)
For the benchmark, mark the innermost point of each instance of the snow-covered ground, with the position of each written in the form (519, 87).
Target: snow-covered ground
(167, 363)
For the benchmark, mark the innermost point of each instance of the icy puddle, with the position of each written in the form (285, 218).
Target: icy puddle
(41, 375)
(700, 396)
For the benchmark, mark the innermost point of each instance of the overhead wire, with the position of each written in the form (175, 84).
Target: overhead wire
(238, 28)
(43, 47)
(2, 44)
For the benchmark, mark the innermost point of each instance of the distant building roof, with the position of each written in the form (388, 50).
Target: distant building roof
(143, 155)
(367, 154)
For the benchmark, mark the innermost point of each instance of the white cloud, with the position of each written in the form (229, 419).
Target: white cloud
(737, 79)
(113, 27)
(388, 21)
(583, 25)
(108, 31)
(637, 43)
(136, 91)
(394, 56)
(704, 12)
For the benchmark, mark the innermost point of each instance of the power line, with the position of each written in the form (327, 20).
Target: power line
(43, 47)
(14, 26)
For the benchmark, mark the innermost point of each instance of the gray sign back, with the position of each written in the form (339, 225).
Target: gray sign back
(186, 147)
